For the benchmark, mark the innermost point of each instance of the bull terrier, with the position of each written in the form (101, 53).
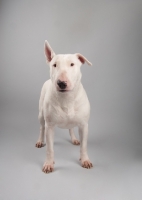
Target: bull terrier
(63, 103)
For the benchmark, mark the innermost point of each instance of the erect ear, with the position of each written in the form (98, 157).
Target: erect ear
(83, 59)
(49, 53)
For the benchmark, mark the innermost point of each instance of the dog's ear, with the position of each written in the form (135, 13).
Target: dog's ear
(49, 53)
(83, 59)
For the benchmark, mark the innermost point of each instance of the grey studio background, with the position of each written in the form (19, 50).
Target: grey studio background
(109, 34)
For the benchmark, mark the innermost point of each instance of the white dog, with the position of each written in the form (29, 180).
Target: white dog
(63, 103)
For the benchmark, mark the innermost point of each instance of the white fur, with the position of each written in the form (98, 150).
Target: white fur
(63, 109)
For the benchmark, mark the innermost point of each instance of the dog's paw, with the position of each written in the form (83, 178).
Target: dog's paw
(86, 164)
(76, 142)
(47, 168)
(39, 145)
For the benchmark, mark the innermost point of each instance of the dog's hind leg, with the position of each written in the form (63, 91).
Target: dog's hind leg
(74, 140)
(40, 142)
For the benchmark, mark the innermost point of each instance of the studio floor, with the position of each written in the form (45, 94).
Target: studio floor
(116, 172)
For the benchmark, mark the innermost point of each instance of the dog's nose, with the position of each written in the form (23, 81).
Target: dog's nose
(62, 84)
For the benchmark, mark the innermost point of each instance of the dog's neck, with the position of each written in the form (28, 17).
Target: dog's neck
(66, 100)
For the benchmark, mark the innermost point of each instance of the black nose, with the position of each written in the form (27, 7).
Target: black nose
(61, 84)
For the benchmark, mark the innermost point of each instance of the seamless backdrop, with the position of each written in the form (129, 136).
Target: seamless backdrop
(107, 33)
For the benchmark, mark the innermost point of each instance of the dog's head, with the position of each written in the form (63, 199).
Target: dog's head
(64, 68)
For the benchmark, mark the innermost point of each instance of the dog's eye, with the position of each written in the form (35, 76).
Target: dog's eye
(54, 65)
(72, 64)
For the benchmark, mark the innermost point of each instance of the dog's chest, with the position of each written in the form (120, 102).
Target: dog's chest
(64, 117)
(68, 112)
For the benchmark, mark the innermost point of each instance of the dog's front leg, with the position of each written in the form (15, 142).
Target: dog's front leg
(83, 134)
(49, 163)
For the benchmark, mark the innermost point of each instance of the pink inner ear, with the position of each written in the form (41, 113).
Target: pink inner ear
(48, 53)
(81, 59)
